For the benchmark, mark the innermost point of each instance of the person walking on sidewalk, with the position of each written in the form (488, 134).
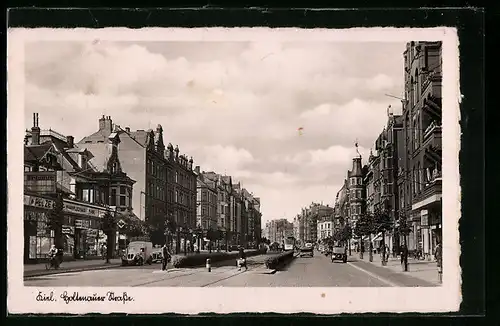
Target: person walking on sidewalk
(438, 254)
(165, 257)
(404, 255)
(242, 259)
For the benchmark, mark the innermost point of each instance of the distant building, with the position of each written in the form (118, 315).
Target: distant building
(278, 230)
(206, 202)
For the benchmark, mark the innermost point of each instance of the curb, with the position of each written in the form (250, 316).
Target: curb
(73, 270)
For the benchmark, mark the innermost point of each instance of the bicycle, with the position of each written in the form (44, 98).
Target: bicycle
(51, 263)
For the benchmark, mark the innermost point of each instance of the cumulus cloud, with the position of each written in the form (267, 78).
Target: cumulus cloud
(235, 107)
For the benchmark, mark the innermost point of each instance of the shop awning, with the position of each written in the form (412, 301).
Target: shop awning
(378, 237)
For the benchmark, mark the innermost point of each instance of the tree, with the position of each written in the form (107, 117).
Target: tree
(108, 226)
(382, 223)
(404, 230)
(212, 236)
(343, 234)
(363, 227)
(56, 221)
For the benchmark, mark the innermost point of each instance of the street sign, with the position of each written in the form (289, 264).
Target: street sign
(121, 224)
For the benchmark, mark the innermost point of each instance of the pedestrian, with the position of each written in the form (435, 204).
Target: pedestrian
(438, 254)
(404, 255)
(165, 257)
(242, 259)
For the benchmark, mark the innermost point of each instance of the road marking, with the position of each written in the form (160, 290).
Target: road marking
(383, 280)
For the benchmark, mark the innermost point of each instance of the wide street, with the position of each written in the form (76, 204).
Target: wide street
(318, 271)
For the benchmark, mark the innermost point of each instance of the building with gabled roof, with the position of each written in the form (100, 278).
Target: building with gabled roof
(89, 184)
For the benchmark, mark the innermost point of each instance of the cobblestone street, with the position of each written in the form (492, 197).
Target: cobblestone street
(318, 271)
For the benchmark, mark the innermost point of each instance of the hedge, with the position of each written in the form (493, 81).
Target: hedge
(200, 259)
(275, 261)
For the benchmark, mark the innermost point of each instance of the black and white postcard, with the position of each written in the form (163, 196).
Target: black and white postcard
(233, 170)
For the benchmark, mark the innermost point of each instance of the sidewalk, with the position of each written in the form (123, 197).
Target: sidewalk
(421, 269)
(70, 266)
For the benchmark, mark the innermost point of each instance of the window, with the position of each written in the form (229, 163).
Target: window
(176, 177)
(176, 196)
(416, 91)
(85, 195)
(122, 201)
(360, 181)
(420, 177)
(113, 197)
(122, 190)
(358, 194)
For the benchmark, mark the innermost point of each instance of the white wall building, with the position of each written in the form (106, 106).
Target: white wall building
(325, 229)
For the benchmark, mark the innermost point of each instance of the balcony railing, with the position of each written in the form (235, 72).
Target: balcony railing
(430, 188)
(432, 136)
(432, 84)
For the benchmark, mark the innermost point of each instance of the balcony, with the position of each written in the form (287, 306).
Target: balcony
(432, 85)
(432, 143)
(430, 194)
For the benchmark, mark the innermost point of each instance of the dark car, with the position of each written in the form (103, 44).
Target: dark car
(339, 253)
(307, 250)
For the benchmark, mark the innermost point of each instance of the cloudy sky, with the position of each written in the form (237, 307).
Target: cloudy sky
(235, 107)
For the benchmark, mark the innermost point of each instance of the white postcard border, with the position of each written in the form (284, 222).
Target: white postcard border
(319, 300)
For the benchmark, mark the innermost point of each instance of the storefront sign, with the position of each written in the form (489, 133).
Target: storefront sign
(424, 218)
(69, 207)
(38, 202)
(121, 224)
(66, 229)
(92, 233)
(82, 224)
(84, 210)
(40, 182)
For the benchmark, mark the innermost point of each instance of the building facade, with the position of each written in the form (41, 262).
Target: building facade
(278, 230)
(206, 203)
(420, 178)
(87, 185)
(165, 188)
(325, 229)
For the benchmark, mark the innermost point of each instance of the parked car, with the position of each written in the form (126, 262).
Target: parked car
(156, 257)
(138, 253)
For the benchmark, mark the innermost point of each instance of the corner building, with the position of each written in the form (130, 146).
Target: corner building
(421, 183)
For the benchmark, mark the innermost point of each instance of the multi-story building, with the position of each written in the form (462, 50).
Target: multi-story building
(325, 229)
(236, 213)
(309, 219)
(88, 184)
(356, 190)
(420, 179)
(165, 186)
(388, 146)
(181, 193)
(206, 202)
(278, 230)
(342, 206)
(252, 216)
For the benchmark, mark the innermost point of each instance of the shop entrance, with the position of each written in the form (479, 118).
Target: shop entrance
(80, 243)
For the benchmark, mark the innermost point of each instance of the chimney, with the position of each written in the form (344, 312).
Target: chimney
(106, 124)
(35, 131)
(70, 140)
